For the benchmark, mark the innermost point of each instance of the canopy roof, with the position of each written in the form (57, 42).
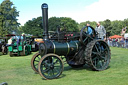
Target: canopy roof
(115, 36)
(10, 35)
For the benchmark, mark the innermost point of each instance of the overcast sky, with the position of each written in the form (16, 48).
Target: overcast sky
(79, 10)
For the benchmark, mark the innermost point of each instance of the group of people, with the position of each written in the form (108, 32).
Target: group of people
(101, 32)
(118, 42)
(10, 41)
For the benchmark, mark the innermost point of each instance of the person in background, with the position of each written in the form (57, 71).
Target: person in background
(126, 40)
(123, 31)
(89, 29)
(122, 42)
(101, 31)
(9, 41)
(23, 36)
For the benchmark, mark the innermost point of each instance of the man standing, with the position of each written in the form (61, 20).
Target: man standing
(101, 31)
(89, 30)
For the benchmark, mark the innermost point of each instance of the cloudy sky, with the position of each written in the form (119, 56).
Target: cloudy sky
(79, 10)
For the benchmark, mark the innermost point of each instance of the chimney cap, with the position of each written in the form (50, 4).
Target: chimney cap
(44, 5)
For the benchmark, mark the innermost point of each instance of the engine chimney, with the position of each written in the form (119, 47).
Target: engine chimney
(45, 20)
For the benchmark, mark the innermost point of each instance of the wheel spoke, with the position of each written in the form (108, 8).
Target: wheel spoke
(56, 66)
(53, 60)
(99, 46)
(49, 59)
(94, 58)
(102, 57)
(47, 69)
(35, 64)
(96, 48)
(85, 39)
(98, 63)
(52, 71)
(36, 60)
(105, 49)
(42, 63)
(84, 33)
(49, 72)
(101, 65)
(95, 63)
(96, 53)
(56, 70)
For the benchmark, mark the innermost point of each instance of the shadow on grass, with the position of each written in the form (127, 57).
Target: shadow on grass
(68, 68)
(61, 76)
(86, 67)
(15, 55)
(1, 54)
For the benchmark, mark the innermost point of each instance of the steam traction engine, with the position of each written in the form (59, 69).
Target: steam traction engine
(78, 49)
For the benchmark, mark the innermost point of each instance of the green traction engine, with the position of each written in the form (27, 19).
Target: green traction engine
(19, 48)
(77, 48)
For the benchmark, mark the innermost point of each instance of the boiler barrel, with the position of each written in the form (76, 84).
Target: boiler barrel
(59, 48)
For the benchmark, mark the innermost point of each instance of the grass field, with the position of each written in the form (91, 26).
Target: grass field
(18, 71)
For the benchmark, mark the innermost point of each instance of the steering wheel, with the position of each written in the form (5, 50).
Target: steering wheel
(85, 37)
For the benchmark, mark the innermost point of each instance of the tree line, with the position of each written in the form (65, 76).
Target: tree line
(35, 25)
(9, 23)
(8, 18)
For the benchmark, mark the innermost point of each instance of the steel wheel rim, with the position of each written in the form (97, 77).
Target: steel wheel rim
(25, 50)
(51, 67)
(100, 56)
(34, 62)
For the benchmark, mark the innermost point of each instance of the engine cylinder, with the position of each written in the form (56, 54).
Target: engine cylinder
(59, 48)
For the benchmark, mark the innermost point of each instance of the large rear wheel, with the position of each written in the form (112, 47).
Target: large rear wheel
(97, 55)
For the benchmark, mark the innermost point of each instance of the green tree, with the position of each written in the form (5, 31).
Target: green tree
(62, 22)
(107, 25)
(116, 27)
(33, 27)
(125, 23)
(8, 17)
(54, 23)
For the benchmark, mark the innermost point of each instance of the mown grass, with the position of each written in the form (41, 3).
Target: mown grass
(18, 71)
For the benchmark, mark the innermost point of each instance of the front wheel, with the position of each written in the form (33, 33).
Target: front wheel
(50, 66)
